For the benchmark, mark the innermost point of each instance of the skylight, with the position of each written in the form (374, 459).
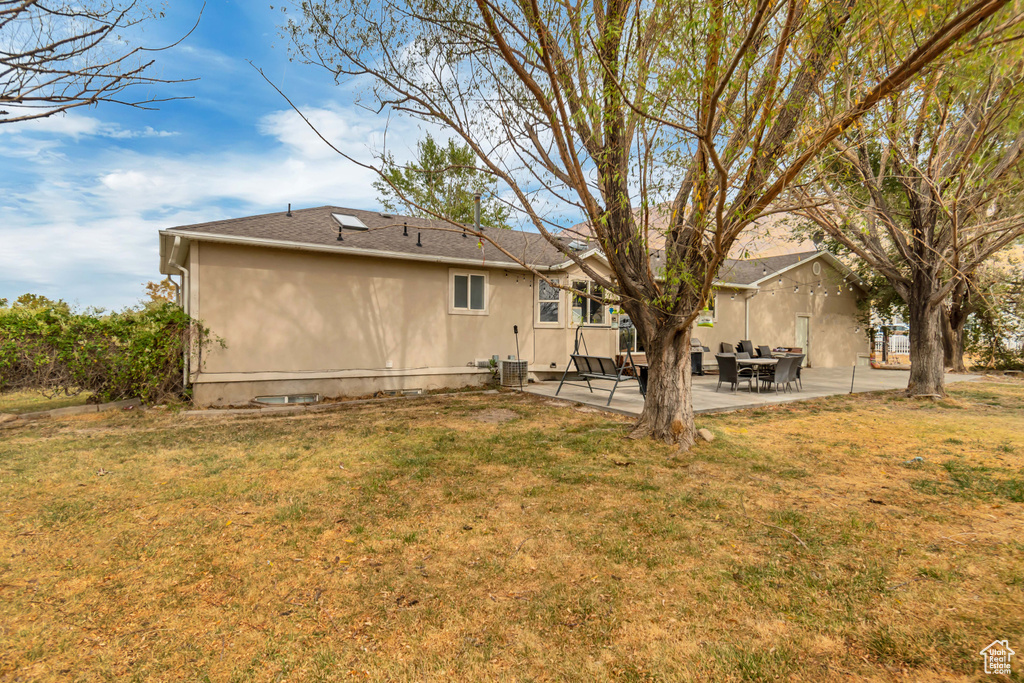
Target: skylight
(348, 221)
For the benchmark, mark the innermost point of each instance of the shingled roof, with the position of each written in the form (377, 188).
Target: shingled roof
(749, 271)
(317, 227)
(416, 238)
(745, 271)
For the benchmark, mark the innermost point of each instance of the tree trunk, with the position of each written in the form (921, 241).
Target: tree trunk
(926, 356)
(668, 408)
(953, 341)
(954, 318)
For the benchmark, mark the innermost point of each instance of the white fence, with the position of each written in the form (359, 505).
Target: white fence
(899, 344)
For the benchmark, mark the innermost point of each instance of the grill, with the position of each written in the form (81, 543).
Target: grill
(697, 356)
(513, 373)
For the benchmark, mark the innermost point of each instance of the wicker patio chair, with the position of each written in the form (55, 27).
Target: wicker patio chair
(729, 372)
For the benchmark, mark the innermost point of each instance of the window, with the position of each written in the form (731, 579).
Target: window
(586, 311)
(348, 221)
(468, 293)
(549, 299)
(628, 337)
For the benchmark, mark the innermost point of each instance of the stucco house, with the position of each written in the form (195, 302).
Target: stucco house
(341, 301)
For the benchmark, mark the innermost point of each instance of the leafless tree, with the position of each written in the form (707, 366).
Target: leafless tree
(56, 55)
(612, 108)
(931, 184)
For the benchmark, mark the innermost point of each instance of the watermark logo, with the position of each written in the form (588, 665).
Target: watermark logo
(997, 657)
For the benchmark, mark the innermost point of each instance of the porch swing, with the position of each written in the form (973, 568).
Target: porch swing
(601, 367)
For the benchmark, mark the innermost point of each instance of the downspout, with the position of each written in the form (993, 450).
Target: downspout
(746, 313)
(185, 303)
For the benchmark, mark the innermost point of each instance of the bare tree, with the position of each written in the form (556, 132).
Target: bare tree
(57, 55)
(611, 108)
(929, 186)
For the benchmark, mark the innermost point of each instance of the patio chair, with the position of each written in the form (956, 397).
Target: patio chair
(764, 352)
(747, 347)
(729, 372)
(743, 355)
(798, 365)
(783, 374)
(726, 347)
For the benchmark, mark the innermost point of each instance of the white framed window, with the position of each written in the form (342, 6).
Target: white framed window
(586, 311)
(467, 292)
(549, 303)
(629, 337)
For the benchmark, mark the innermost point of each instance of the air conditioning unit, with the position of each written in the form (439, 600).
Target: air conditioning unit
(514, 373)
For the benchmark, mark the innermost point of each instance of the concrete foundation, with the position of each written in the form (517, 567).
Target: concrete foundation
(230, 393)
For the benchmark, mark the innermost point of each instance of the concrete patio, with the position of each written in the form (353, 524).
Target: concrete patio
(817, 382)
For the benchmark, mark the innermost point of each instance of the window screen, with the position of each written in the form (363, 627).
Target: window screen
(461, 291)
(476, 292)
(596, 307)
(548, 297)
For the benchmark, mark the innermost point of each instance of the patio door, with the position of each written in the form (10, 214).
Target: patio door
(803, 337)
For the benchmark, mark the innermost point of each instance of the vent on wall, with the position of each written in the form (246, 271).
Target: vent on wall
(349, 222)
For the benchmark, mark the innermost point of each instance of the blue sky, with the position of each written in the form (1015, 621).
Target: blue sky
(82, 196)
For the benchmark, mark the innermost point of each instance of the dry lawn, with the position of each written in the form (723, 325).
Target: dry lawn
(508, 538)
(16, 402)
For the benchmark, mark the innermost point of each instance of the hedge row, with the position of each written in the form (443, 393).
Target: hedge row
(133, 353)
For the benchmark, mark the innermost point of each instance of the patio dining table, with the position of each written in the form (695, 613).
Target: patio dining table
(757, 364)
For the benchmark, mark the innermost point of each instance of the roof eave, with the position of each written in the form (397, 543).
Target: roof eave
(828, 256)
(353, 251)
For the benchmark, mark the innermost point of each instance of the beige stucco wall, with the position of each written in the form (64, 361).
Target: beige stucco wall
(834, 337)
(307, 321)
(297, 321)
(728, 323)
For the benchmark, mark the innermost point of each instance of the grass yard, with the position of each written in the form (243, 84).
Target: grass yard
(17, 402)
(510, 538)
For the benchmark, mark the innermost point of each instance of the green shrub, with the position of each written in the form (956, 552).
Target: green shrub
(132, 353)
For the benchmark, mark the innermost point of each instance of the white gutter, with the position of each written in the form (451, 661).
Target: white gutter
(185, 300)
(380, 253)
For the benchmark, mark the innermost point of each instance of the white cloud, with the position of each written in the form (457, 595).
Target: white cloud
(348, 130)
(83, 224)
(97, 219)
(74, 125)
